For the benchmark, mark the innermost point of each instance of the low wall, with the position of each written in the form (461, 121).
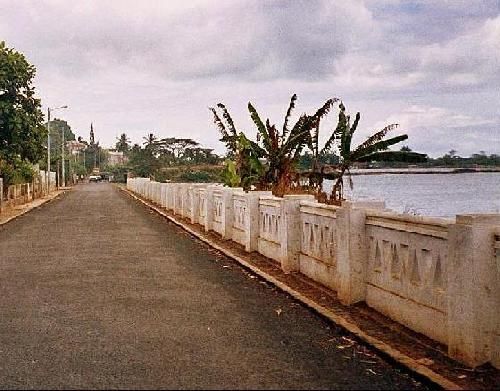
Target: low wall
(407, 259)
(270, 227)
(495, 356)
(23, 193)
(437, 277)
(318, 224)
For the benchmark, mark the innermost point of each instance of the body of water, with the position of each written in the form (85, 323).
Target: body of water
(439, 195)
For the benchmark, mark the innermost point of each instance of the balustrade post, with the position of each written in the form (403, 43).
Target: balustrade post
(352, 250)
(252, 220)
(170, 192)
(195, 204)
(194, 195)
(228, 211)
(178, 199)
(473, 290)
(158, 194)
(186, 200)
(209, 215)
(154, 191)
(163, 202)
(1, 195)
(291, 233)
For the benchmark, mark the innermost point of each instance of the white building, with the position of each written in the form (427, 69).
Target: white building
(116, 158)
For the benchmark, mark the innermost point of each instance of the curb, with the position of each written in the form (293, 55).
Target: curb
(29, 208)
(379, 345)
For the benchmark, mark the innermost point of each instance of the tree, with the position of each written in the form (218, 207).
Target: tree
(174, 149)
(57, 128)
(227, 130)
(242, 166)
(282, 148)
(142, 162)
(199, 155)
(372, 149)
(123, 144)
(22, 134)
(150, 140)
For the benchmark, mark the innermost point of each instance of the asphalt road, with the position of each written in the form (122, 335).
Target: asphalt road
(96, 291)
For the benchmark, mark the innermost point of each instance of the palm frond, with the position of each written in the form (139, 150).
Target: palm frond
(297, 141)
(259, 151)
(355, 123)
(260, 126)
(218, 122)
(377, 136)
(273, 134)
(344, 132)
(349, 176)
(347, 141)
(227, 117)
(287, 116)
(377, 147)
(228, 139)
(333, 137)
(325, 109)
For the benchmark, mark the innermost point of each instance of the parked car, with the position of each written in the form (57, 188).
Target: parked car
(94, 178)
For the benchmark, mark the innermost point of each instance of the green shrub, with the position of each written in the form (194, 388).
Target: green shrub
(18, 171)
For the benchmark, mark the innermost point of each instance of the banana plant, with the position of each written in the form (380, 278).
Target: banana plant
(282, 148)
(242, 166)
(374, 148)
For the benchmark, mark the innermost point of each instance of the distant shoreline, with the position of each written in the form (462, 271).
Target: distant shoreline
(414, 170)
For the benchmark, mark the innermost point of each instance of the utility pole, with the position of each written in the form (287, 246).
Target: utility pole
(63, 179)
(49, 110)
(48, 150)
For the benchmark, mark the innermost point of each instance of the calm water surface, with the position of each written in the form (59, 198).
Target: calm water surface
(441, 195)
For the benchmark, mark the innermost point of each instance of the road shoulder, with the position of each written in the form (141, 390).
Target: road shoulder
(19, 210)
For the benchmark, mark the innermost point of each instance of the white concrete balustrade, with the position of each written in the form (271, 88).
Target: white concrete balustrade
(317, 259)
(405, 270)
(438, 277)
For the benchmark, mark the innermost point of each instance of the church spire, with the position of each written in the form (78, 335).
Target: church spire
(92, 142)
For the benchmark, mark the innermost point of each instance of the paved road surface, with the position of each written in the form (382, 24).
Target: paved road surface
(96, 291)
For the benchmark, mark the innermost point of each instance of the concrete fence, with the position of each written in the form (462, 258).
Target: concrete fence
(438, 277)
(23, 193)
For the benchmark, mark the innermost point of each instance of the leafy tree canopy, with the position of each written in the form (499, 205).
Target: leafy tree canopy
(123, 143)
(22, 133)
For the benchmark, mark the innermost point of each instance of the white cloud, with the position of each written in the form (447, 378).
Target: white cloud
(435, 130)
(421, 116)
(157, 65)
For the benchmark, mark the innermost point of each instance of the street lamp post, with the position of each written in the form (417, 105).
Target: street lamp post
(49, 110)
(48, 150)
(63, 177)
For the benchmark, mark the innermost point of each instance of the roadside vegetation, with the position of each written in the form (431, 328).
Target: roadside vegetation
(167, 159)
(275, 161)
(22, 133)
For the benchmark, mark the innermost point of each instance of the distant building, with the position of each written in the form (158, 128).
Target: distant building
(116, 158)
(74, 147)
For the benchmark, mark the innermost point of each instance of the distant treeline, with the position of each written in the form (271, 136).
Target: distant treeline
(450, 159)
(176, 159)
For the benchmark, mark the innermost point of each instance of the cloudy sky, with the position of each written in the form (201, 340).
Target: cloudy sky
(156, 66)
